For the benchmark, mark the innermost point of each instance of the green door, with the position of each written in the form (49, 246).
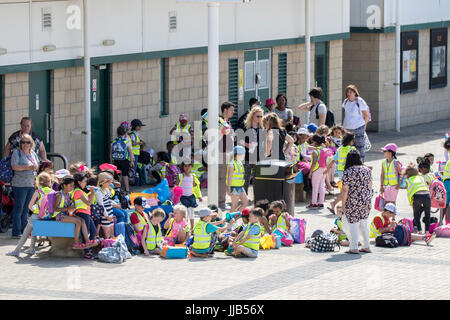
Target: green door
(257, 76)
(321, 68)
(100, 114)
(39, 104)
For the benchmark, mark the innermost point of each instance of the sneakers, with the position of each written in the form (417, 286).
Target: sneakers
(320, 206)
(429, 238)
(13, 254)
(30, 252)
(312, 206)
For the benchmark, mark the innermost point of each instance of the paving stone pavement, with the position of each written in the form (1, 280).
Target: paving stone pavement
(416, 272)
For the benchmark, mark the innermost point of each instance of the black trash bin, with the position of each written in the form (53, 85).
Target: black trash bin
(275, 180)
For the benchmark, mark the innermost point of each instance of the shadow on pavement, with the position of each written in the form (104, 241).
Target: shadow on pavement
(342, 256)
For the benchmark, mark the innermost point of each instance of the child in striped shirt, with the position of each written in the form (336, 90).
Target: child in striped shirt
(191, 190)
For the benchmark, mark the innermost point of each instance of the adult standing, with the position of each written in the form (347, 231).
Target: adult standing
(277, 139)
(356, 117)
(253, 102)
(14, 140)
(356, 201)
(251, 142)
(316, 106)
(25, 164)
(285, 114)
(226, 145)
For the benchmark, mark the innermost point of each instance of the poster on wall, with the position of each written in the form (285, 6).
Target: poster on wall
(410, 61)
(438, 58)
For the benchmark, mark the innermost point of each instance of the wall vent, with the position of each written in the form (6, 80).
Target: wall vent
(47, 19)
(172, 21)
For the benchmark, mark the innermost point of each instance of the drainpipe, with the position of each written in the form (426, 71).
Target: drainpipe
(87, 85)
(213, 103)
(398, 68)
(308, 56)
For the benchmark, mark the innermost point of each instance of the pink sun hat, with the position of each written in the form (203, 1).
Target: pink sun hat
(390, 147)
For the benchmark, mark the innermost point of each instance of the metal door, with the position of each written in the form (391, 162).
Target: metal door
(257, 76)
(39, 105)
(100, 114)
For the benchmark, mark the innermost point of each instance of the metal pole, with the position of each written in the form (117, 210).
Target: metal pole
(398, 68)
(87, 84)
(213, 103)
(307, 56)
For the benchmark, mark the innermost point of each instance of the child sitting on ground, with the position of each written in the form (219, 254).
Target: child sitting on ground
(279, 219)
(264, 205)
(139, 219)
(152, 233)
(383, 223)
(176, 226)
(159, 171)
(247, 242)
(338, 230)
(205, 235)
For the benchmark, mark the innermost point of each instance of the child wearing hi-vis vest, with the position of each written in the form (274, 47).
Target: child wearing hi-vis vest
(279, 218)
(247, 242)
(340, 159)
(446, 178)
(139, 219)
(384, 223)
(235, 180)
(191, 190)
(152, 233)
(176, 226)
(390, 173)
(205, 235)
(418, 196)
(45, 184)
(318, 172)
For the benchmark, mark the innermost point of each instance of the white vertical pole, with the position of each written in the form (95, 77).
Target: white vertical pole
(398, 68)
(87, 84)
(307, 56)
(213, 103)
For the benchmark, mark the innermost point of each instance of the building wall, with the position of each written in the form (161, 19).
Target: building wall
(335, 78)
(369, 63)
(15, 102)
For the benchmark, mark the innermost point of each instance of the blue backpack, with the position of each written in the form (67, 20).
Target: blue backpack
(6, 172)
(119, 149)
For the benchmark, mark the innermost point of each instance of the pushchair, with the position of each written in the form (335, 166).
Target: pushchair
(6, 206)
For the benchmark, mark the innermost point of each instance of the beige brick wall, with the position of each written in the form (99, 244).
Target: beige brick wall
(15, 102)
(67, 103)
(335, 78)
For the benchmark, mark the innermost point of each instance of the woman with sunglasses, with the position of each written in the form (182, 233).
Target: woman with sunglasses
(251, 141)
(25, 164)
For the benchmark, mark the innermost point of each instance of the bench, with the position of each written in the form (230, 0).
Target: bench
(61, 236)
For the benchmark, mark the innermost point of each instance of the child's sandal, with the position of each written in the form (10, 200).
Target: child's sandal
(78, 246)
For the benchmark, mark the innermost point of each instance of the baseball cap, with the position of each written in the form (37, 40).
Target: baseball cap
(269, 102)
(140, 201)
(239, 150)
(312, 127)
(137, 123)
(205, 212)
(62, 173)
(245, 212)
(390, 147)
(303, 131)
(391, 208)
(213, 208)
(183, 117)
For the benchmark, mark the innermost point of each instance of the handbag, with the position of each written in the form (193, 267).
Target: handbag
(367, 144)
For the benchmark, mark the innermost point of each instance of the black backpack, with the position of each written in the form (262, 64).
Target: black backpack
(386, 240)
(329, 118)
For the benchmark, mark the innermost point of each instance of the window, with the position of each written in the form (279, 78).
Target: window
(438, 58)
(409, 74)
(164, 87)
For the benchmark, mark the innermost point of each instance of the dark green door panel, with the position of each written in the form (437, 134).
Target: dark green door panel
(39, 104)
(100, 114)
(321, 68)
(257, 75)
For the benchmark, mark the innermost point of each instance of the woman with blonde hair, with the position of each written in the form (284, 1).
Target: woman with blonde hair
(276, 133)
(251, 142)
(356, 117)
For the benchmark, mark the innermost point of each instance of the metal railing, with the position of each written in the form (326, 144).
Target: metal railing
(61, 156)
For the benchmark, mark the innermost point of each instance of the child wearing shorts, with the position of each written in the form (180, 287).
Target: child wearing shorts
(235, 180)
(191, 190)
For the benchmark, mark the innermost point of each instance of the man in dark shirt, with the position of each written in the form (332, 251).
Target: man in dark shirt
(226, 145)
(14, 140)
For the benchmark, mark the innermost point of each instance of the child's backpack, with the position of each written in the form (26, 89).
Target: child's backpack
(6, 172)
(386, 240)
(323, 156)
(286, 238)
(46, 208)
(443, 231)
(324, 242)
(403, 235)
(408, 222)
(298, 229)
(438, 194)
(266, 242)
(119, 149)
(172, 172)
(124, 229)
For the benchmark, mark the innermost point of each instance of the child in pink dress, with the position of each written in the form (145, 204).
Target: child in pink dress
(176, 226)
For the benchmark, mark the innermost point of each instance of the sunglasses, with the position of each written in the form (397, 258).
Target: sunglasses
(25, 142)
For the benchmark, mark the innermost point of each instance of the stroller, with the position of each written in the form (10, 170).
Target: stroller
(6, 206)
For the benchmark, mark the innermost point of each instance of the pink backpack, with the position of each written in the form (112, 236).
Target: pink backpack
(438, 194)
(172, 172)
(46, 208)
(369, 115)
(443, 231)
(298, 228)
(323, 156)
(408, 222)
